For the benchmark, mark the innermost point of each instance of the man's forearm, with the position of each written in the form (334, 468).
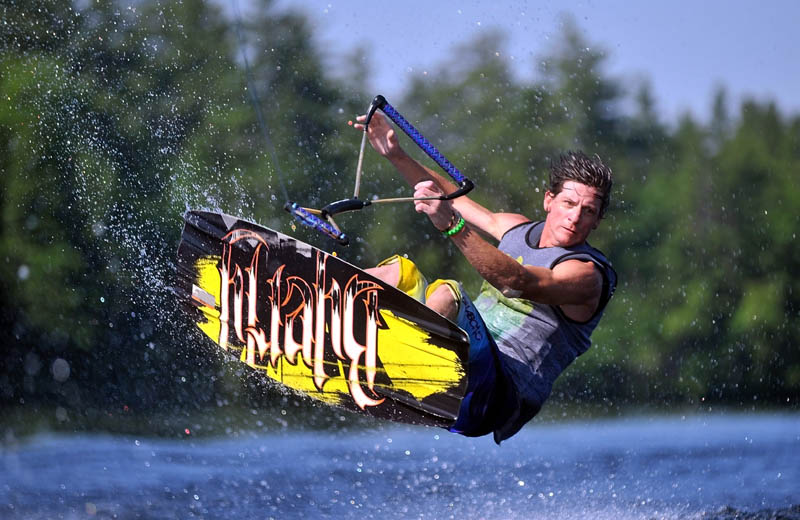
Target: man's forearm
(414, 172)
(494, 266)
(514, 280)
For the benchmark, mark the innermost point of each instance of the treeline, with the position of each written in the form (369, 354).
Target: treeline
(116, 118)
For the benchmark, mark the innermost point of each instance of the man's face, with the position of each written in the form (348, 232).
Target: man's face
(571, 215)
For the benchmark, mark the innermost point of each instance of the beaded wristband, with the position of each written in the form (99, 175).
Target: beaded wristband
(453, 221)
(455, 229)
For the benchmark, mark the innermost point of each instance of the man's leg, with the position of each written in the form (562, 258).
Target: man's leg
(402, 273)
(442, 298)
(389, 273)
(484, 407)
(478, 414)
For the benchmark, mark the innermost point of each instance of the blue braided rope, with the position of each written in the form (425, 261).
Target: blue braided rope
(423, 143)
(313, 221)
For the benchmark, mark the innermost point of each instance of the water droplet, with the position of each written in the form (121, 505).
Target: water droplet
(60, 370)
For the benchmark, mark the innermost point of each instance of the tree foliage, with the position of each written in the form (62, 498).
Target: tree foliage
(116, 118)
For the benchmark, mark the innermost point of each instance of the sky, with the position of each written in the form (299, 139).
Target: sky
(685, 49)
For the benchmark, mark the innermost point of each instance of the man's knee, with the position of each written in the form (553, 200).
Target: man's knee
(402, 273)
(389, 273)
(443, 300)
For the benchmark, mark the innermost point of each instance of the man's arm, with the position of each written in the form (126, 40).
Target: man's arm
(383, 138)
(574, 285)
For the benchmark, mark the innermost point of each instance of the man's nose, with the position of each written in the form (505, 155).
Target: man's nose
(574, 214)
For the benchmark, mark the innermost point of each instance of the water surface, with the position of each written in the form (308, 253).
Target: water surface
(727, 466)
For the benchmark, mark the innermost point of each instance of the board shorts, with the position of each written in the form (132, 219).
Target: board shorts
(489, 400)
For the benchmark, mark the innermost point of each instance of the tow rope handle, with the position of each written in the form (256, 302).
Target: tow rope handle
(305, 217)
(322, 220)
(464, 185)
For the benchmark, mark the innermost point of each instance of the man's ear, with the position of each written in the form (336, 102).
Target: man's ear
(548, 200)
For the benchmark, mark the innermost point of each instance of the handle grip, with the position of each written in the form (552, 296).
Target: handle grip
(340, 206)
(463, 188)
(380, 103)
(307, 219)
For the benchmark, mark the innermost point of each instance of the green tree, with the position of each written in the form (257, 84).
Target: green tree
(115, 118)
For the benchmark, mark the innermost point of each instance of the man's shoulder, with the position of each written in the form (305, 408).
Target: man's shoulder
(505, 222)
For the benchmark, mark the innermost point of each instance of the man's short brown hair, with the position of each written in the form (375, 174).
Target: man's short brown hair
(577, 167)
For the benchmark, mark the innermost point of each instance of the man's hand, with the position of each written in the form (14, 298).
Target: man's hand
(381, 135)
(439, 211)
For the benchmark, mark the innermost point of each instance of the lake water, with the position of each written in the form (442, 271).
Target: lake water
(703, 467)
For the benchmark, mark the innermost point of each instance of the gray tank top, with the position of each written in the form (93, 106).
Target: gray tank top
(537, 341)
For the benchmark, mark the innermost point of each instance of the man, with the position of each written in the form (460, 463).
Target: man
(544, 287)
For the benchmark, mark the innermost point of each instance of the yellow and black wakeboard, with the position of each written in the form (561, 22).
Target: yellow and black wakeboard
(318, 324)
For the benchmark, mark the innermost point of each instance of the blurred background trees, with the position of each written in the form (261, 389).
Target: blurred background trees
(116, 118)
